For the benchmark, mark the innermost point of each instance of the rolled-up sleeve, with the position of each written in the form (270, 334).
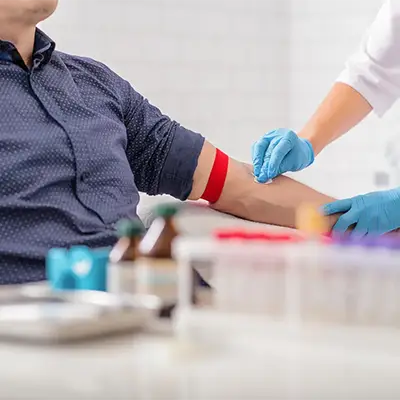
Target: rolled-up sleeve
(374, 70)
(162, 154)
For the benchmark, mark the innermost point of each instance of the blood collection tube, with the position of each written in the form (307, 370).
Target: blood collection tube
(306, 277)
(388, 282)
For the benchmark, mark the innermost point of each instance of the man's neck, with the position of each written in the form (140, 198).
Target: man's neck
(23, 39)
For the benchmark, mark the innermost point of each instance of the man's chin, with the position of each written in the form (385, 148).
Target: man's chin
(39, 10)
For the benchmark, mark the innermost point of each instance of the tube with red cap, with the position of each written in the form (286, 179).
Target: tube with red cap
(251, 270)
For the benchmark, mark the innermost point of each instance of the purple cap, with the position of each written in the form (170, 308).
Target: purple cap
(341, 239)
(389, 242)
(369, 241)
(354, 240)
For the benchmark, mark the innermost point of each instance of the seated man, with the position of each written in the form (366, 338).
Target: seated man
(78, 143)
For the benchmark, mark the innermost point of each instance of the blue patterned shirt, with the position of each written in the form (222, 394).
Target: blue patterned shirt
(77, 144)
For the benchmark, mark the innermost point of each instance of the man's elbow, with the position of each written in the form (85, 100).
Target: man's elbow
(203, 170)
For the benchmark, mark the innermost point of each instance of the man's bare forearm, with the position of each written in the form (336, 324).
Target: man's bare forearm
(275, 203)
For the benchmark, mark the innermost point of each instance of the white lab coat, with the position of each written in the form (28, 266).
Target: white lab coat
(374, 71)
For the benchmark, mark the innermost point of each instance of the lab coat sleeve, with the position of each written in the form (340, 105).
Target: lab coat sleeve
(374, 70)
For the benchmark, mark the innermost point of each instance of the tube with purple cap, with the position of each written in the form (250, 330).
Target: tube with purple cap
(345, 260)
(388, 265)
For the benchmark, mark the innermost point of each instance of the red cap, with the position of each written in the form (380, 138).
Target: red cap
(228, 234)
(326, 239)
(257, 236)
(241, 234)
(286, 237)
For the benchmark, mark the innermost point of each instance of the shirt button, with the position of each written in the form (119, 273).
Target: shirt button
(85, 176)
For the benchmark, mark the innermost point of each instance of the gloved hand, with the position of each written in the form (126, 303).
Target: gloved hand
(280, 151)
(373, 213)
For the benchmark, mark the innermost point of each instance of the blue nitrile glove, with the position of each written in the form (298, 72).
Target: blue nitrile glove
(373, 213)
(280, 151)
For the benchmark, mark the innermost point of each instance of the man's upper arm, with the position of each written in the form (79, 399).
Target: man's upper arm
(163, 155)
(167, 158)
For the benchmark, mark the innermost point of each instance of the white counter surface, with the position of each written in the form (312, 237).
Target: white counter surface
(151, 366)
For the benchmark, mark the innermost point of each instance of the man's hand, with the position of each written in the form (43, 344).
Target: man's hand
(373, 213)
(280, 151)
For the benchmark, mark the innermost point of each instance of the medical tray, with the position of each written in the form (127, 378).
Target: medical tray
(39, 314)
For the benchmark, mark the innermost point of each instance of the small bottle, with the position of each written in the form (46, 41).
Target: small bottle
(311, 222)
(156, 269)
(121, 270)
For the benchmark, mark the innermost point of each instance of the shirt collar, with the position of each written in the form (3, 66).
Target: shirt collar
(43, 46)
(42, 51)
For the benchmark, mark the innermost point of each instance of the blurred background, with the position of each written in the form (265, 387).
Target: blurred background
(235, 69)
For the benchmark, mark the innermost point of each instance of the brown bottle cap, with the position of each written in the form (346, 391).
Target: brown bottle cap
(310, 220)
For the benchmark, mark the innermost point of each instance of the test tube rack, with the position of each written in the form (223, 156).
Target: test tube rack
(277, 291)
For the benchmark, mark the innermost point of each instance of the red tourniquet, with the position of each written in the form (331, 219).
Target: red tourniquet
(217, 178)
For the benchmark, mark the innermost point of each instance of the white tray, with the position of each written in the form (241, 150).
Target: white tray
(38, 314)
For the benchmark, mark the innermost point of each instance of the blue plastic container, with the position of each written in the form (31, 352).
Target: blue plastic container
(58, 270)
(80, 268)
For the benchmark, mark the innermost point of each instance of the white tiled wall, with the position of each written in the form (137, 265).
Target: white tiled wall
(233, 69)
(324, 34)
(217, 66)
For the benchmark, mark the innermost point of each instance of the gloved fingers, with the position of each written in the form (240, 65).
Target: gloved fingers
(338, 206)
(376, 227)
(259, 149)
(277, 156)
(373, 228)
(290, 135)
(284, 132)
(345, 221)
(362, 227)
(264, 176)
(255, 158)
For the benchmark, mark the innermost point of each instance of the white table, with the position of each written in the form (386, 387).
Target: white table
(153, 366)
